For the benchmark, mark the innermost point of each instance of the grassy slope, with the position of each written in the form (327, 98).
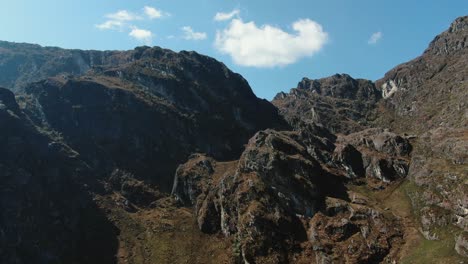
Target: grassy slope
(416, 250)
(163, 234)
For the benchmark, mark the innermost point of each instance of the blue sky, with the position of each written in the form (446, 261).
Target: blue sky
(273, 44)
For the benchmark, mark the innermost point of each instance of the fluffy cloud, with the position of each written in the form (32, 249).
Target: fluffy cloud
(374, 38)
(153, 13)
(269, 46)
(123, 18)
(142, 35)
(123, 15)
(226, 16)
(110, 24)
(189, 34)
(117, 20)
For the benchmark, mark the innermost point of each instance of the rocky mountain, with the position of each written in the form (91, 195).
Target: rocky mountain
(340, 103)
(427, 97)
(424, 100)
(430, 91)
(147, 115)
(155, 156)
(121, 125)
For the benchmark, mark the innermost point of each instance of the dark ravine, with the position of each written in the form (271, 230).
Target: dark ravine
(338, 170)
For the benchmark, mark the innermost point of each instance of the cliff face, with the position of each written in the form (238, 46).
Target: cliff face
(149, 110)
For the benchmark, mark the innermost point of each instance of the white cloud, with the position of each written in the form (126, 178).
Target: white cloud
(189, 34)
(269, 46)
(123, 18)
(153, 13)
(226, 16)
(375, 38)
(117, 20)
(142, 35)
(123, 15)
(110, 24)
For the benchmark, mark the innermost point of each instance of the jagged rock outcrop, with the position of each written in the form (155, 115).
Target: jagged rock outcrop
(339, 102)
(377, 154)
(353, 233)
(278, 202)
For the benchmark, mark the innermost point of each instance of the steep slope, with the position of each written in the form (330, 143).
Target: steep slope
(47, 213)
(430, 91)
(85, 154)
(146, 116)
(339, 102)
(427, 97)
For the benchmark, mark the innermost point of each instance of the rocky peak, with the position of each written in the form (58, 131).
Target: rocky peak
(339, 86)
(459, 24)
(332, 102)
(452, 40)
(186, 79)
(432, 87)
